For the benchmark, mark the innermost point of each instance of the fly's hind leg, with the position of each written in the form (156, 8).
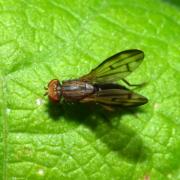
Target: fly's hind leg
(108, 108)
(136, 85)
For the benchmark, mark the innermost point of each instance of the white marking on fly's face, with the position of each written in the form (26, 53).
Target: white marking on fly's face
(39, 101)
(41, 172)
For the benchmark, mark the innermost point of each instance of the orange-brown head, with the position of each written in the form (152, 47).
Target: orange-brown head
(54, 91)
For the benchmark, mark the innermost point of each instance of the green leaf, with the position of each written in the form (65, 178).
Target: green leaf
(43, 40)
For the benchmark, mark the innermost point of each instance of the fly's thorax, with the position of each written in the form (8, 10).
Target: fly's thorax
(75, 90)
(54, 91)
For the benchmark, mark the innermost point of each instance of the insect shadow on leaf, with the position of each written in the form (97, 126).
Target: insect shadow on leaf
(107, 126)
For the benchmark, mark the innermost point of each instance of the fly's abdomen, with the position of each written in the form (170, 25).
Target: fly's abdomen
(76, 90)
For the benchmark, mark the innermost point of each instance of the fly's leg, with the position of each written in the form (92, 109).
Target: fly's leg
(108, 108)
(137, 85)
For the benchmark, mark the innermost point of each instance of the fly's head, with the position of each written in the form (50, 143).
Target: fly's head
(54, 91)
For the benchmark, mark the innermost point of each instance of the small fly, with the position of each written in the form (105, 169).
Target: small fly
(99, 85)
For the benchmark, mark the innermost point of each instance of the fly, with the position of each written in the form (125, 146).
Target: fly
(99, 85)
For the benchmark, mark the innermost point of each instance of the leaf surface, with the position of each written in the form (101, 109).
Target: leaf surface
(44, 40)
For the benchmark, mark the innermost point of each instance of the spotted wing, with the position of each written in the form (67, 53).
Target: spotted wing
(115, 67)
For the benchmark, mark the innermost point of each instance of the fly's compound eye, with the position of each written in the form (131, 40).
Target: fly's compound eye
(54, 91)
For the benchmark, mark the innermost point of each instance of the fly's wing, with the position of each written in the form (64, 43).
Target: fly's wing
(115, 67)
(116, 97)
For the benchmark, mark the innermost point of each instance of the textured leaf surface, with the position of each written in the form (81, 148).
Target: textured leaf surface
(42, 40)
